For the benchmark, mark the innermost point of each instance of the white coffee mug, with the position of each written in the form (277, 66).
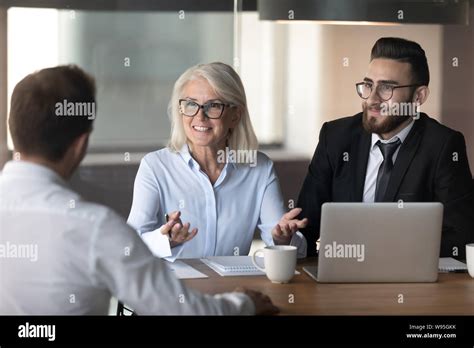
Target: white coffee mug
(280, 262)
(470, 258)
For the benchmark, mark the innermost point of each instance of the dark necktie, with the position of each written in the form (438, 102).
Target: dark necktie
(385, 169)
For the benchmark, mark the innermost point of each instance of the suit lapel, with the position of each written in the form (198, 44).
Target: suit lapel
(405, 156)
(360, 147)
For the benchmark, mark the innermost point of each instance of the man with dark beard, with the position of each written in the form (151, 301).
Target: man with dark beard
(391, 152)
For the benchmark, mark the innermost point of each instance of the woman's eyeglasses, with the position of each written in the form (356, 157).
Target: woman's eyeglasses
(211, 109)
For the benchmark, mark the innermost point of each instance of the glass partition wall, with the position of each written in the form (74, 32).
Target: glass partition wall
(297, 75)
(136, 56)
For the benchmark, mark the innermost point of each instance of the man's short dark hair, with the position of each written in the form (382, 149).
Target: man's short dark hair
(404, 51)
(35, 126)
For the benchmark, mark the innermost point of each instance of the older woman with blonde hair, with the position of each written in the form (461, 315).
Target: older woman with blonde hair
(211, 176)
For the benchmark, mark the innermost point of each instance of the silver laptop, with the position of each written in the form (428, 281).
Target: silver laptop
(378, 242)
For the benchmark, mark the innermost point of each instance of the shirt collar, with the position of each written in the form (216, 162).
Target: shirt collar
(186, 156)
(402, 135)
(27, 169)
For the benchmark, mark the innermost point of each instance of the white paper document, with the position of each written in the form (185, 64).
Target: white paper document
(184, 271)
(158, 243)
(227, 266)
(448, 264)
(232, 265)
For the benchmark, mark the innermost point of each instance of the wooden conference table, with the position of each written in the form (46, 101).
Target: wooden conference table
(453, 294)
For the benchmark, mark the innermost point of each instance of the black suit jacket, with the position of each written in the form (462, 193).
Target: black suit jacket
(431, 166)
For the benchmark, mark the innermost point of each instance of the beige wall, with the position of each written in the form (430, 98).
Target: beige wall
(458, 86)
(322, 88)
(296, 80)
(355, 43)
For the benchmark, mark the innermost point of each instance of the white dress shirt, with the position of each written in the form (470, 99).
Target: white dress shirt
(376, 159)
(62, 255)
(243, 198)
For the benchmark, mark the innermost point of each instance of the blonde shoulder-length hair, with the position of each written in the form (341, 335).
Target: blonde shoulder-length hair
(228, 86)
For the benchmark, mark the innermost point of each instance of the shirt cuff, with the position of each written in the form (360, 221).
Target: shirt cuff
(158, 243)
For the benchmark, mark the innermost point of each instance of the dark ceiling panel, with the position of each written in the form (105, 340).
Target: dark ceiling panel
(134, 5)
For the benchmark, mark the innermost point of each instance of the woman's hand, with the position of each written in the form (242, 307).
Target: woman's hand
(178, 233)
(287, 227)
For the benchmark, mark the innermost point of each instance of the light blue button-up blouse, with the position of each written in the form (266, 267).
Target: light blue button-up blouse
(244, 198)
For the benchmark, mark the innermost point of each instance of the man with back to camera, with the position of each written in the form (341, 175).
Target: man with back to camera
(77, 254)
(390, 152)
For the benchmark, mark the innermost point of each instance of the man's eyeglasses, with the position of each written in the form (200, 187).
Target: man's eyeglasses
(384, 91)
(211, 109)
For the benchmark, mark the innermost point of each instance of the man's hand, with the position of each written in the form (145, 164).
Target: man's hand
(177, 232)
(263, 303)
(287, 227)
